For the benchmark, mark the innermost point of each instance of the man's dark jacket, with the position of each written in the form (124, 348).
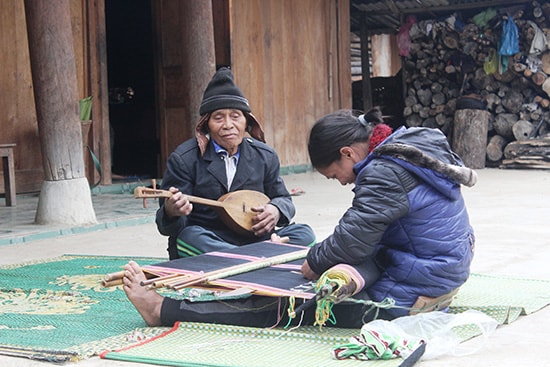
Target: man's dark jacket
(258, 169)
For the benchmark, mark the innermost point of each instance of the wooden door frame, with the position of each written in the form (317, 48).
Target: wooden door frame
(98, 88)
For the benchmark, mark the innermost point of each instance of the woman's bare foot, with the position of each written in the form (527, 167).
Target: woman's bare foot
(147, 303)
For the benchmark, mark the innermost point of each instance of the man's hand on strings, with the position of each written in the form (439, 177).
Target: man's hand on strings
(308, 273)
(178, 204)
(265, 221)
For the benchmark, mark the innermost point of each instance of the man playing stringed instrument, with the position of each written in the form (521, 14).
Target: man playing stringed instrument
(221, 159)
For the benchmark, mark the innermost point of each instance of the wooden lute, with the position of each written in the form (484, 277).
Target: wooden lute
(234, 208)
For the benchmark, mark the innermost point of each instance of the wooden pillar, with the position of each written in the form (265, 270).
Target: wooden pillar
(470, 136)
(65, 196)
(365, 68)
(199, 65)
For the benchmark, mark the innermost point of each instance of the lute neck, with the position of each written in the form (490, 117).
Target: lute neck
(146, 192)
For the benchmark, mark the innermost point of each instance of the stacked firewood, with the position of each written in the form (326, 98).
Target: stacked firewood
(454, 58)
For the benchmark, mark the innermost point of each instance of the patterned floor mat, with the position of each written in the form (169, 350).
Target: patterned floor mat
(56, 310)
(190, 344)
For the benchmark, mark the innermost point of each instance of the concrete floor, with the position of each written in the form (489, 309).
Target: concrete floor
(509, 209)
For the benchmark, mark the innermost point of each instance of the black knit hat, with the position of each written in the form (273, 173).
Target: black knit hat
(222, 93)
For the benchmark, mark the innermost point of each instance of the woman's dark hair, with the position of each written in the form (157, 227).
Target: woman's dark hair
(339, 129)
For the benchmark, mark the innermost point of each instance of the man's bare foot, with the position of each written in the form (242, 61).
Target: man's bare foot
(148, 303)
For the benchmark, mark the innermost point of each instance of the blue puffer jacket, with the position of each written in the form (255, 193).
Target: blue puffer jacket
(410, 218)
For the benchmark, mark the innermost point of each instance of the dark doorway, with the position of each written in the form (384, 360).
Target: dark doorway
(134, 140)
(387, 93)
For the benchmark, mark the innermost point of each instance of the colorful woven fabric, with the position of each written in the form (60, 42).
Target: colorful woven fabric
(372, 344)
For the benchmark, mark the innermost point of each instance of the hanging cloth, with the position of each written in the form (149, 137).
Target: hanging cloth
(539, 43)
(403, 37)
(509, 45)
(490, 66)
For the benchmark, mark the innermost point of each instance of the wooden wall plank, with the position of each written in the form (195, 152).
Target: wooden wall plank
(98, 88)
(292, 61)
(17, 112)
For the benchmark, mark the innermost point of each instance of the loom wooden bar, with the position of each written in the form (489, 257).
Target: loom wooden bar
(161, 281)
(111, 283)
(241, 268)
(113, 276)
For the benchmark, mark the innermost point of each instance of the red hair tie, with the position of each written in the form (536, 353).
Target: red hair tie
(379, 134)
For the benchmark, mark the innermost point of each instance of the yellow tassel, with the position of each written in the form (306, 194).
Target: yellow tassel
(292, 302)
(327, 286)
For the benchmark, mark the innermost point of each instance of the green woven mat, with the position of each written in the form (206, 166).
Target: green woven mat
(503, 298)
(193, 344)
(57, 310)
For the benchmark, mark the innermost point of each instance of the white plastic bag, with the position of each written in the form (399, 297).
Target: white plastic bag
(435, 328)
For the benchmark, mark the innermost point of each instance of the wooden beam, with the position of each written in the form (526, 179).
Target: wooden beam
(464, 6)
(391, 5)
(365, 68)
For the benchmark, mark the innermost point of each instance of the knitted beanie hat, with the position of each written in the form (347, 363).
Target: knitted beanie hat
(222, 93)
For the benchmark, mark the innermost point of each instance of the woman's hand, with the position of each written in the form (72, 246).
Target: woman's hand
(265, 221)
(178, 204)
(308, 273)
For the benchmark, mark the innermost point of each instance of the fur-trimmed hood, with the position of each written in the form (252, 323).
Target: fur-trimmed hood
(459, 174)
(426, 153)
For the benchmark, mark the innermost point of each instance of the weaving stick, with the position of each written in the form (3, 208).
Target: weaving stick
(112, 283)
(238, 269)
(160, 281)
(234, 208)
(113, 279)
(113, 276)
